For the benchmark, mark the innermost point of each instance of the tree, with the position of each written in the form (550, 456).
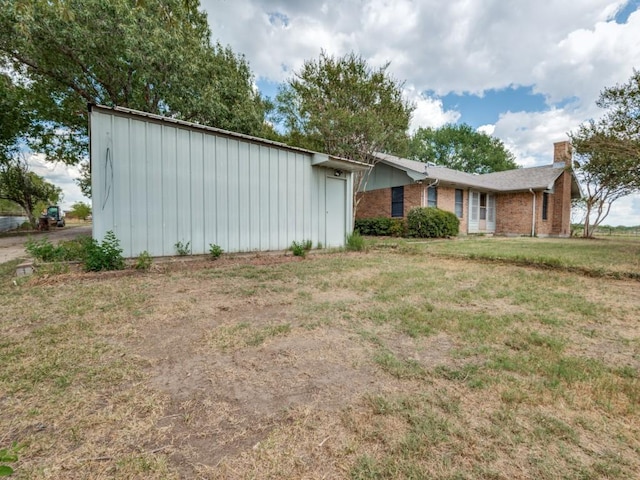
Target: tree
(80, 210)
(607, 160)
(151, 55)
(460, 147)
(343, 107)
(14, 118)
(26, 188)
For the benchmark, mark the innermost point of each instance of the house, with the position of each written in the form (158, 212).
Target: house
(524, 201)
(157, 182)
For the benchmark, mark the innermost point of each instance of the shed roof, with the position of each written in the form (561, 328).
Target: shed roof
(319, 159)
(520, 179)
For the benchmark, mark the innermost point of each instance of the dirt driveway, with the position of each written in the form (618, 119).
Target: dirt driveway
(13, 247)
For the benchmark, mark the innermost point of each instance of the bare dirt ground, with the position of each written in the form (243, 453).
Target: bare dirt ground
(268, 366)
(12, 247)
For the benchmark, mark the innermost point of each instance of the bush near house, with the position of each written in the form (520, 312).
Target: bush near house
(432, 222)
(395, 227)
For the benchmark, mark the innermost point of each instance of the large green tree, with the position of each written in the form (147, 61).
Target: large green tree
(150, 55)
(25, 188)
(607, 152)
(14, 117)
(344, 107)
(460, 147)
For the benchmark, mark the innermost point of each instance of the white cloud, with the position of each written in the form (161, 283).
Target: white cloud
(429, 111)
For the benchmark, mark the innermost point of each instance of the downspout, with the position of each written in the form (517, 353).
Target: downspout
(533, 214)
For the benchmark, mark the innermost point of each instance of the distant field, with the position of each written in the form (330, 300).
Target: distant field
(438, 360)
(599, 256)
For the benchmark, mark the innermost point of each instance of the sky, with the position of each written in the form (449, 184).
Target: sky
(526, 72)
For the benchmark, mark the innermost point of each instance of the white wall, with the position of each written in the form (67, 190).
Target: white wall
(156, 183)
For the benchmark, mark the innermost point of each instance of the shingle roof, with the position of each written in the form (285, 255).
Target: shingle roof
(535, 178)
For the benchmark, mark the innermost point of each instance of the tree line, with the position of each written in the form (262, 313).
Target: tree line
(158, 56)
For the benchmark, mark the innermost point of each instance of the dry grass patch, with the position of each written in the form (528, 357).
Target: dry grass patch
(379, 365)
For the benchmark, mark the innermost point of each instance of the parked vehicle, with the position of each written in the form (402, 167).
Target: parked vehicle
(52, 217)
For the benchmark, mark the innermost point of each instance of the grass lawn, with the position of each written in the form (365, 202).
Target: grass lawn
(412, 360)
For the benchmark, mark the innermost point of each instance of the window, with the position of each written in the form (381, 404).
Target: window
(459, 199)
(545, 205)
(397, 201)
(432, 197)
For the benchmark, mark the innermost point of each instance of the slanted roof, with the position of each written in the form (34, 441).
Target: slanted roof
(520, 179)
(318, 159)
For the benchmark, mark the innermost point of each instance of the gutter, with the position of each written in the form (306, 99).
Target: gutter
(533, 214)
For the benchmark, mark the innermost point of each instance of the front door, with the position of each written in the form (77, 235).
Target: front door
(482, 212)
(336, 218)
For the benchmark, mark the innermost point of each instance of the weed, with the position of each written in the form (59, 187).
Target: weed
(8, 455)
(104, 256)
(300, 249)
(144, 261)
(355, 242)
(399, 368)
(183, 249)
(215, 251)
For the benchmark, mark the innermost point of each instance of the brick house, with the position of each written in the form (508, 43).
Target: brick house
(525, 201)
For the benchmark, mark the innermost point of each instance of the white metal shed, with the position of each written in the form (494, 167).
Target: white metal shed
(157, 181)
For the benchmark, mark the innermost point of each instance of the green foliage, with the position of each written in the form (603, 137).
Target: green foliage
(24, 187)
(183, 249)
(144, 261)
(66, 251)
(355, 242)
(344, 107)
(460, 147)
(155, 56)
(104, 256)
(8, 455)
(607, 160)
(80, 210)
(395, 227)
(432, 222)
(215, 251)
(300, 249)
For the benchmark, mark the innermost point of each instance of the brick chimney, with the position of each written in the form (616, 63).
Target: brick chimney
(562, 153)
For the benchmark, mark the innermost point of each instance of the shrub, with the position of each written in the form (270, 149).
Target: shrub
(144, 261)
(104, 256)
(183, 248)
(300, 249)
(432, 222)
(215, 251)
(355, 242)
(381, 226)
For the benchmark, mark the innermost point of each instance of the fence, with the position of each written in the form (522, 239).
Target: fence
(10, 223)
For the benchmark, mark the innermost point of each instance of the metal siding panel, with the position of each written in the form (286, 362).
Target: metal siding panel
(169, 191)
(264, 197)
(283, 207)
(299, 187)
(183, 185)
(253, 212)
(154, 189)
(197, 193)
(292, 234)
(102, 173)
(122, 144)
(274, 193)
(233, 192)
(222, 193)
(210, 191)
(244, 173)
(138, 184)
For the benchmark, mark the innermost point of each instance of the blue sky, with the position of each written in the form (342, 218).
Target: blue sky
(526, 72)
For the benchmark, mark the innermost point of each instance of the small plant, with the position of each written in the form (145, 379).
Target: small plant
(215, 251)
(300, 249)
(144, 261)
(355, 242)
(105, 256)
(183, 249)
(8, 455)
